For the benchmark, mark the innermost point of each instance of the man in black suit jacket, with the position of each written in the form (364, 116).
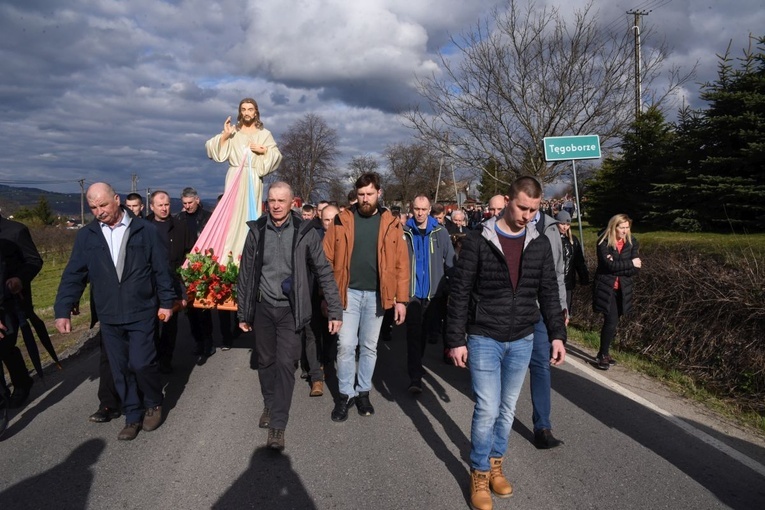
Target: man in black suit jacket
(126, 262)
(175, 237)
(195, 218)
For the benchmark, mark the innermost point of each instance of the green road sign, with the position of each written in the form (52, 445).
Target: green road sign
(560, 148)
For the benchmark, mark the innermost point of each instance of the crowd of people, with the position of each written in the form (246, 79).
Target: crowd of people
(319, 286)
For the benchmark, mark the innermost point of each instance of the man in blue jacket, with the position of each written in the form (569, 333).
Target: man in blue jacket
(126, 263)
(431, 257)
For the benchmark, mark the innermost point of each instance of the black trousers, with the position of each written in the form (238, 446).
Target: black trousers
(164, 340)
(133, 360)
(610, 321)
(200, 320)
(310, 355)
(228, 326)
(278, 346)
(10, 354)
(423, 320)
(107, 393)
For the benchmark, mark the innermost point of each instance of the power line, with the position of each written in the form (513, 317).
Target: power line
(648, 5)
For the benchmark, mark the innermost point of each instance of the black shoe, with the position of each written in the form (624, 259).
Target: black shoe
(602, 363)
(209, 352)
(303, 374)
(19, 396)
(104, 414)
(275, 439)
(544, 440)
(340, 412)
(364, 405)
(265, 418)
(415, 387)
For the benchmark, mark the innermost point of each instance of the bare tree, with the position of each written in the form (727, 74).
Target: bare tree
(337, 190)
(524, 74)
(361, 165)
(412, 169)
(309, 150)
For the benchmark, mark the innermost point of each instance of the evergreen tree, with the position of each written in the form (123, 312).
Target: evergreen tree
(43, 212)
(677, 205)
(624, 182)
(729, 184)
(493, 179)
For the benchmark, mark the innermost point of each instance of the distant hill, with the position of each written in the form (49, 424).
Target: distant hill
(12, 198)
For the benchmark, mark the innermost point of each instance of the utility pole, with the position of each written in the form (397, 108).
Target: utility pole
(637, 13)
(133, 183)
(82, 202)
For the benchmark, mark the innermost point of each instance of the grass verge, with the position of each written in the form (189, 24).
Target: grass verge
(676, 381)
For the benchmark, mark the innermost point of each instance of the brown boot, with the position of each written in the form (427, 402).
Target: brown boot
(497, 481)
(480, 495)
(317, 389)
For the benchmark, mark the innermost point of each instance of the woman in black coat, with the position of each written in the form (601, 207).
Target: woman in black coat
(573, 258)
(618, 262)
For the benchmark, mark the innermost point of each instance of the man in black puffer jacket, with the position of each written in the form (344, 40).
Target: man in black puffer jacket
(506, 274)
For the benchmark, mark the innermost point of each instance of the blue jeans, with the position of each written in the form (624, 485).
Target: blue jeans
(539, 377)
(362, 318)
(497, 370)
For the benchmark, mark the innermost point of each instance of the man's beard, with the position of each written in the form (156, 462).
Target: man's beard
(367, 209)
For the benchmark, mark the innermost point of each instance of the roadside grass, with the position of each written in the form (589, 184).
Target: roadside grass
(676, 381)
(706, 242)
(44, 288)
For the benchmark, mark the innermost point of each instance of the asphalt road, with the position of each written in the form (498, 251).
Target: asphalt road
(619, 452)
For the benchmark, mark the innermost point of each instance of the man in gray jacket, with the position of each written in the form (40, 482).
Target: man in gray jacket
(282, 255)
(539, 367)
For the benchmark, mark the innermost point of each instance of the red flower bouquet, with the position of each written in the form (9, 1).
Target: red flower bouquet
(209, 283)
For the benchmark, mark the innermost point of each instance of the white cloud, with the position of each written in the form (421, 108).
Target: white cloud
(100, 89)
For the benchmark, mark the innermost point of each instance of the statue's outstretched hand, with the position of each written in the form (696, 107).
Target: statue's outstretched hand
(228, 128)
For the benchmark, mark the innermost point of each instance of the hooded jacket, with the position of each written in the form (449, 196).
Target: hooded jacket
(482, 300)
(307, 259)
(435, 251)
(548, 226)
(392, 256)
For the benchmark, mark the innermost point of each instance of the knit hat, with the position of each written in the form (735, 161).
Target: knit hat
(563, 217)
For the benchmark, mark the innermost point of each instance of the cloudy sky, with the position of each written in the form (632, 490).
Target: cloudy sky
(103, 89)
